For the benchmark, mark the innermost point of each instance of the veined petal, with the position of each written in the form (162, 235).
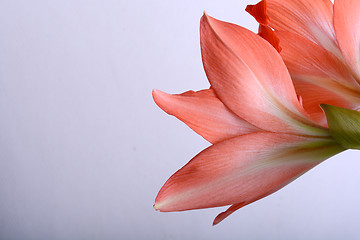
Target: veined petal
(242, 170)
(258, 11)
(305, 58)
(318, 76)
(228, 212)
(250, 78)
(203, 112)
(312, 19)
(315, 94)
(347, 28)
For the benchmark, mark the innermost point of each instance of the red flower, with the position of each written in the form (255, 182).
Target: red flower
(262, 136)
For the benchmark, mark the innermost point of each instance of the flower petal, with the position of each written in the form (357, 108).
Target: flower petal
(347, 28)
(227, 213)
(250, 78)
(203, 112)
(319, 77)
(258, 11)
(312, 19)
(242, 170)
(305, 58)
(313, 95)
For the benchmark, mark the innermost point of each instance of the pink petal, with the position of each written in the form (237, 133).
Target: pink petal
(313, 95)
(203, 112)
(250, 78)
(347, 28)
(241, 170)
(312, 19)
(305, 58)
(318, 75)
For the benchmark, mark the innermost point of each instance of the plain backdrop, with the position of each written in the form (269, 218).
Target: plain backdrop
(84, 149)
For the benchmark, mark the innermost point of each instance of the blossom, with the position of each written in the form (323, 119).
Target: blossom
(320, 43)
(262, 138)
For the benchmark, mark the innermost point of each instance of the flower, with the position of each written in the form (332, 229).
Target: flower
(320, 44)
(262, 137)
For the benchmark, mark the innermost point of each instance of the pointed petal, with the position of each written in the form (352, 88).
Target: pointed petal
(269, 35)
(318, 76)
(347, 28)
(258, 11)
(312, 19)
(227, 213)
(242, 170)
(250, 78)
(203, 112)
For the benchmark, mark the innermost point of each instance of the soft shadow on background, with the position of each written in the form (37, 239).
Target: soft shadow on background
(84, 150)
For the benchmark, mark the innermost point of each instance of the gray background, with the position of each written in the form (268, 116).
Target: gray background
(84, 150)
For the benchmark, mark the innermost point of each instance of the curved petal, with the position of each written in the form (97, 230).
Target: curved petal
(305, 58)
(315, 94)
(318, 76)
(347, 28)
(203, 112)
(250, 78)
(269, 35)
(227, 213)
(312, 19)
(242, 170)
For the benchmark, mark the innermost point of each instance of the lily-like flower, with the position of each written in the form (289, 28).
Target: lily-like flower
(262, 137)
(320, 45)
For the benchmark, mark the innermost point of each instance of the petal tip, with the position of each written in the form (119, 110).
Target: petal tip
(204, 18)
(156, 207)
(155, 93)
(161, 203)
(258, 11)
(216, 221)
(207, 19)
(159, 97)
(219, 218)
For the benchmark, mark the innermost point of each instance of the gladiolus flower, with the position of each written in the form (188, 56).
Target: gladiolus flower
(320, 44)
(262, 137)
